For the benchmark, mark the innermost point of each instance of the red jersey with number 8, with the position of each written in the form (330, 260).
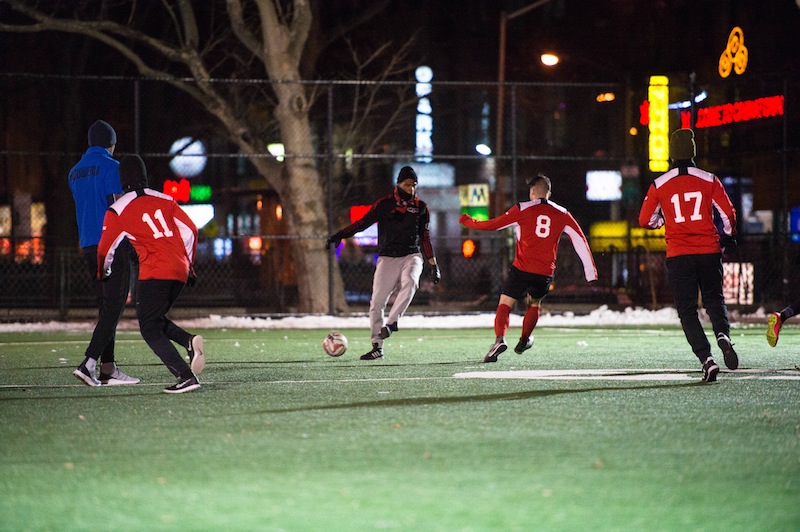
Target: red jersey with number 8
(684, 200)
(538, 226)
(163, 235)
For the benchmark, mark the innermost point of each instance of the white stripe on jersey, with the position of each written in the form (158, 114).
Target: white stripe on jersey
(690, 170)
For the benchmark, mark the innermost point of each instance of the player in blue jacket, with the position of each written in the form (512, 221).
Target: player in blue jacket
(94, 181)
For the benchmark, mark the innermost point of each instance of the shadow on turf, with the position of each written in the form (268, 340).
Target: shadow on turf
(513, 396)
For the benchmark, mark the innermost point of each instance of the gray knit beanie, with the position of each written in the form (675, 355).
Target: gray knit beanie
(681, 145)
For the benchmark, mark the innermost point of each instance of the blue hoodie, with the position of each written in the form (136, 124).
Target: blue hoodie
(93, 181)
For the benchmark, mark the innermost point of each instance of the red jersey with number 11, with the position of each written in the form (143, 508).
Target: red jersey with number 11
(163, 235)
(684, 200)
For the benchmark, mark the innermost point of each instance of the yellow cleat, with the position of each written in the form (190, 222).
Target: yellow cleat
(773, 328)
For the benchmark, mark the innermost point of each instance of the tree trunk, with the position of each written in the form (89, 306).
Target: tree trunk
(305, 207)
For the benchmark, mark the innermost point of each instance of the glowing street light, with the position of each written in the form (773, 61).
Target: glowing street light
(483, 149)
(549, 59)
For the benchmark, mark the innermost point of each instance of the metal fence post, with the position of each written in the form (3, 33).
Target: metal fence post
(331, 253)
(62, 285)
(514, 144)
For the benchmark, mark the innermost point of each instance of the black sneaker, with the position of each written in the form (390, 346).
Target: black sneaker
(85, 375)
(197, 355)
(524, 344)
(375, 354)
(710, 370)
(183, 385)
(498, 347)
(387, 330)
(724, 343)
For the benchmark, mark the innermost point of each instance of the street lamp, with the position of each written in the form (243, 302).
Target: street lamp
(549, 59)
(501, 78)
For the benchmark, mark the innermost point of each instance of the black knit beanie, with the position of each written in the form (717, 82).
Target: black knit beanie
(681, 145)
(406, 172)
(132, 173)
(102, 134)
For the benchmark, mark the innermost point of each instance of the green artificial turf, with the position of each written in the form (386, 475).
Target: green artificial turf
(283, 437)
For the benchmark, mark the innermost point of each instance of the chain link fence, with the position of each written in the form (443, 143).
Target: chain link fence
(362, 133)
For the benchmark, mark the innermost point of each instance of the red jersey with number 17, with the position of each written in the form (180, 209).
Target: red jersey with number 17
(163, 235)
(684, 199)
(538, 226)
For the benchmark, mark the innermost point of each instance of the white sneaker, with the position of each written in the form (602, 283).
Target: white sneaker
(197, 355)
(117, 378)
(86, 376)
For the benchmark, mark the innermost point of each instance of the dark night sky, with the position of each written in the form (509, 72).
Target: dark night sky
(599, 41)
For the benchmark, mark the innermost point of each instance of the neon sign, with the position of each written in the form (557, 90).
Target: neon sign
(369, 236)
(179, 190)
(658, 123)
(729, 113)
(424, 122)
(735, 55)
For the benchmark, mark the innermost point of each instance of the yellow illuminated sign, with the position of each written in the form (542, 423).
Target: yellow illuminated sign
(735, 55)
(476, 195)
(658, 115)
(618, 236)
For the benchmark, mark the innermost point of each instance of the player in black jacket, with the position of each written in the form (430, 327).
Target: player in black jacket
(403, 240)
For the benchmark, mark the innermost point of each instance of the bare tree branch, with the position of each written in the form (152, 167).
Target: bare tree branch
(240, 28)
(258, 36)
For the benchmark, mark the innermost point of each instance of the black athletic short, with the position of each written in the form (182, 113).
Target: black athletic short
(520, 283)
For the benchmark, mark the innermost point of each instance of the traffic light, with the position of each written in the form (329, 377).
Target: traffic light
(469, 248)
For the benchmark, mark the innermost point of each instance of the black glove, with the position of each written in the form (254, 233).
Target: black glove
(192, 279)
(333, 240)
(435, 274)
(728, 244)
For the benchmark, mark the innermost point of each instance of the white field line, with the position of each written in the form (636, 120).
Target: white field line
(627, 374)
(544, 374)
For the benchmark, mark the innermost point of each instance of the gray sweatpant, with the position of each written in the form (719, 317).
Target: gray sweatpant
(400, 274)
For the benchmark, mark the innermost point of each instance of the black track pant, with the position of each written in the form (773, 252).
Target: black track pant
(686, 275)
(154, 299)
(111, 295)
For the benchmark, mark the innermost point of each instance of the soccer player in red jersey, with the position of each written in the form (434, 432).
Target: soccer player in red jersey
(683, 200)
(165, 239)
(538, 225)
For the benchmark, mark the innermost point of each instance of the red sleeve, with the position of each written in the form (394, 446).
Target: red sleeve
(581, 247)
(510, 217)
(650, 215)
(725, 208)
(425, 234)
(109, 240)
(187, 230)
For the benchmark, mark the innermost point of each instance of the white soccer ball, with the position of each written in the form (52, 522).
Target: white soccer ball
(335, 344)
